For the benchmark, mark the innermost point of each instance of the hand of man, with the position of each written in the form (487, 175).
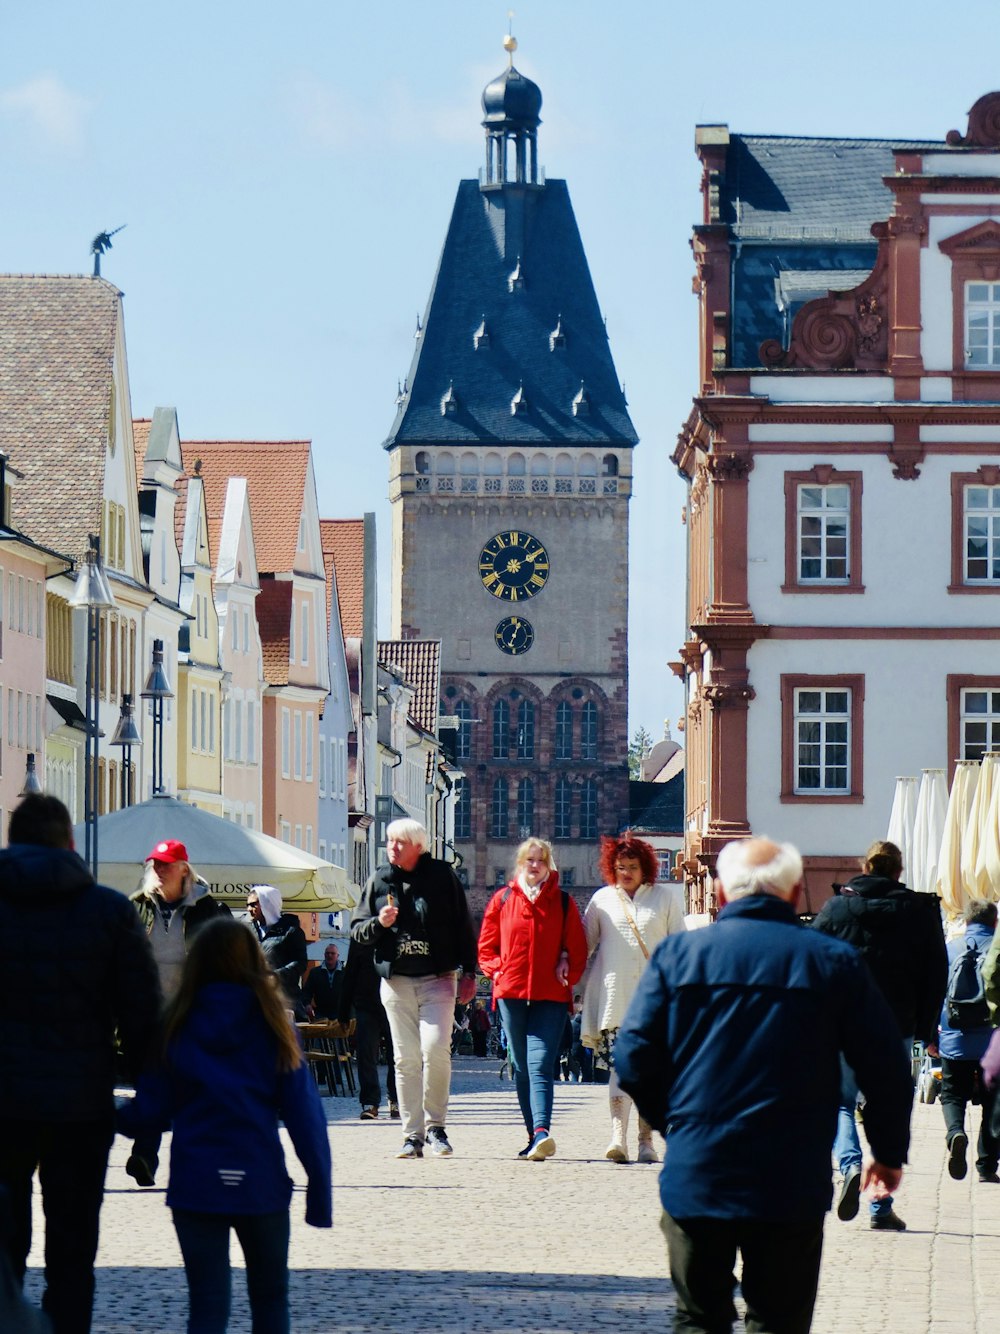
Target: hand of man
(387, 915)
(881, 1180)
(466, 988)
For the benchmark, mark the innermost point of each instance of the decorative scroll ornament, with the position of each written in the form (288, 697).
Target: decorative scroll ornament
(984, 125)
(728, 696)
(841, 331)
(729, 467)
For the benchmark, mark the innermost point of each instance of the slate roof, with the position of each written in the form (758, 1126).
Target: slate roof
(276, 472)
(57, 345)
(418, 661)
(657, 808)
(492, 232)
(781, 187)
(274, 615)
(343, 541)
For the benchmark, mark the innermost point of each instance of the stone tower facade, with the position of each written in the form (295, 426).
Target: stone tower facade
(510, 477)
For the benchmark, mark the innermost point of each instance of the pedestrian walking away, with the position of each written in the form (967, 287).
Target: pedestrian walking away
(731, 1049)
(232, 1067)
(533, 946)
(624, 922)
(359, 996)
(75, 970)
(415, 916)
(900, 938)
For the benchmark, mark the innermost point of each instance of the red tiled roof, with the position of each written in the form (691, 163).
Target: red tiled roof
(57, 345)
(274, 614)
(344, 542)
(140, 438)
(276, 472)
(419, 663)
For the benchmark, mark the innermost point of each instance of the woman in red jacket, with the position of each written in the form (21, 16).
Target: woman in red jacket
(533, 946)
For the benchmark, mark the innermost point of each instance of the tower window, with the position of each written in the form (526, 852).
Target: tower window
(501, 730)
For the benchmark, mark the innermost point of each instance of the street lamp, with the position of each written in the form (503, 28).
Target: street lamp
(32, 783)
(157, 688)
(126, 735)
(92, 592)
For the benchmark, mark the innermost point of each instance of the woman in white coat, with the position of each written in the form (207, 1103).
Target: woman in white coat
(624, 921)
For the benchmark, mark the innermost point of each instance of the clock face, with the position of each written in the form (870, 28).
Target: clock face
(514, 635)
(513, 565)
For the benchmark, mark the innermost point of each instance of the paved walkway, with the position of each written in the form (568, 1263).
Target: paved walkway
(569, 1246)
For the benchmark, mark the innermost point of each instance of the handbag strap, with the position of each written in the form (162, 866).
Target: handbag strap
(627, 909)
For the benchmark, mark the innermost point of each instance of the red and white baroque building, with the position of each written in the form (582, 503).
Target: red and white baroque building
(843, 459)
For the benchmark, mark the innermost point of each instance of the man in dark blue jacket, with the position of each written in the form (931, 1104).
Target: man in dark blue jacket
(731, 1049)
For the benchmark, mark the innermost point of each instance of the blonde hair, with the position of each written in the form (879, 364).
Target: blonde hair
(883, 859)
(521, 856)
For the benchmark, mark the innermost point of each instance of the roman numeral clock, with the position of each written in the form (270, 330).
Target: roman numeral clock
(513, 567)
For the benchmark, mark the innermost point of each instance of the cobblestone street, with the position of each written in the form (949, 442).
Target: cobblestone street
(568, 1246)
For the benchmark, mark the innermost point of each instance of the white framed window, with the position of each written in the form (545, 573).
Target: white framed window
(979, 723)
(305, 634)
(822, 741)
(291, 635)
(235, 633)
(982, 324)
(322, 768)
(982, 534)
(823, 524)
(298, 746)
(194, 719)
(246, 631)
(211, 724)
(251, 731)
(286, 739)
(321, 851)
(298, 836)
(309, 839)
(286, 831)
(310, 727)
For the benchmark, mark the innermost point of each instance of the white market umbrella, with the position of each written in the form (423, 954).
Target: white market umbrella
(974, 868)
(230, 857)
(928, 830)
(988, 859)
(960, 801)
(902, 818)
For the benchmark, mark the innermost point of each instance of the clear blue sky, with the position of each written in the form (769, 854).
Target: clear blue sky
(287, 174)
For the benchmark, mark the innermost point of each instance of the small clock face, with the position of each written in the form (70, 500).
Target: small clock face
(513, 565)
(514, 635)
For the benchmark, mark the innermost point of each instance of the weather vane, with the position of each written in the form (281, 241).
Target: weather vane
(101, 244)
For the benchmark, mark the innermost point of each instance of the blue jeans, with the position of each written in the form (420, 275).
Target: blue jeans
(534, 1031)
(847, 1146)
(204, 1242)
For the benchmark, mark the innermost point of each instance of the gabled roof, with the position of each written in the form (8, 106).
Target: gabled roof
(513, 268)
(344, 542)
(418, 661)
(57, 347)
(276, 472)
(274, 615)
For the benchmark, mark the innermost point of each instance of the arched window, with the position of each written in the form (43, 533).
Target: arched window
(525, 807)
(563, 809)
(564, 731)
(588, 731)
(498, 809)
(463, 810)
(463, 744)
(446, 463)
(609, 465)
(423, 463)
(526, 730)
(501, 730)
(515, 465)
(469, 465)
(588, 808)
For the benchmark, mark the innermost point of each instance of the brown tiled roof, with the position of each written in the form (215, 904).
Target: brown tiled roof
(276, 472)
(180, 512)
(419, 663)
(57, 344)
(344, 541)
(140, 438)
(274, 614)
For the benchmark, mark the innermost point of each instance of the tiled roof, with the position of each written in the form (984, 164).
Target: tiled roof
(274, 614)
(57, 344)
(180, 511)
(419, 663)
(140, 438)
(492, 234)
(657, 808)
(276, 472)
(344, 543)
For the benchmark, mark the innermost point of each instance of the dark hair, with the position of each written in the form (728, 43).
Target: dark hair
(629, 846)
(225, 950)
(979, 912)
(41, 819)
(883, 859)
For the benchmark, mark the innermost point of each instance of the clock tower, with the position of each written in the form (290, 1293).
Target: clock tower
(510, 475)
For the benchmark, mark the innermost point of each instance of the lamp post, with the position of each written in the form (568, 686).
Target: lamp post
(126, 735)
(157, 688)
(32, 783)
(92, 592)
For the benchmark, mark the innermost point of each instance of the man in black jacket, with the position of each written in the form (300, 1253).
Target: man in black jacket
(415, 916)
(900, 938)
(360, 994)
(75, 966)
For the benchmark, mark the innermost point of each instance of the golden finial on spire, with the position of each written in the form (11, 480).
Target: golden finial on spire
(510, 41)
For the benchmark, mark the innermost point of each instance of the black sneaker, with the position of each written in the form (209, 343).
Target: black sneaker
(887, 1222)
(413, 1147)
(850, 1194)
(526, 1150)
(141, 1171)
(957, 1166)
(990, 1178)
(437, 1142)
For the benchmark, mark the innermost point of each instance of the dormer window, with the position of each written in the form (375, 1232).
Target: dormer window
(481, 338)
(515, 282)
(557, 338)
(449, 404)
(581, 403)
(519, 403)
(982, 325)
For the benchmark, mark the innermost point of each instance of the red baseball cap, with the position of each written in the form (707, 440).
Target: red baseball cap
(170, 850)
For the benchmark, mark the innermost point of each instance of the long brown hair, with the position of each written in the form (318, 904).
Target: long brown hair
(226, 951)
(883, 859)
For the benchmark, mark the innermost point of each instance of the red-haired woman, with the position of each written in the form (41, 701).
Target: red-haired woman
(624, 921)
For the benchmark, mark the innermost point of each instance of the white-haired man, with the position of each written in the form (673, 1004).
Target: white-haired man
(731, 1049)
(415, 917)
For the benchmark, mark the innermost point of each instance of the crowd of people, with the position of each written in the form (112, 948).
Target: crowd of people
(753, 1042)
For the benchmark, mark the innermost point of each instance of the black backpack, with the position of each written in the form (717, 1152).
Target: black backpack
(965, 1002)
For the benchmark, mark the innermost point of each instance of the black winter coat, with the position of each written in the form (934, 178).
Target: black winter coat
(360, 990)
(75, 965)
(899, 935)
(284, 946)
(430, 898)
